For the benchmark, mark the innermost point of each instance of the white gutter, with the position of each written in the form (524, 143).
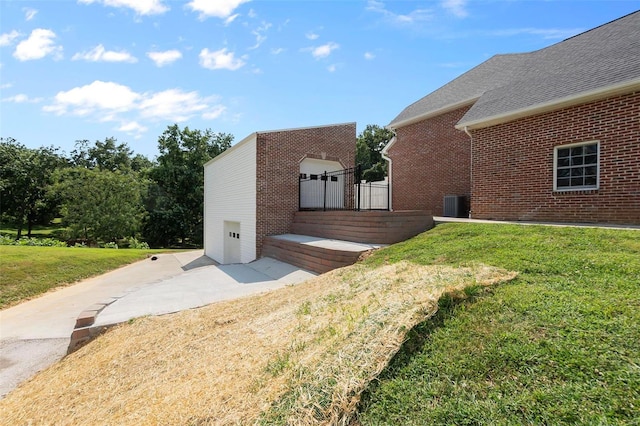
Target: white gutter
(433, 113)
(383, 153)
(466, 130)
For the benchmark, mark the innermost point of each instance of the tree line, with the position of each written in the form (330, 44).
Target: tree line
(369, 145)
(103, 192)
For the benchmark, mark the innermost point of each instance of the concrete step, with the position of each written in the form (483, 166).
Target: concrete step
(380, 227)
(321, 241)
(314, 254)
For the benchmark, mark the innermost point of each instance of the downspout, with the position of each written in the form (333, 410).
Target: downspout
(383, 153)
(466, 130)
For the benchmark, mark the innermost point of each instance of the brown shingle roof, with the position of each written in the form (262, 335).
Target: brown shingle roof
(602, 57)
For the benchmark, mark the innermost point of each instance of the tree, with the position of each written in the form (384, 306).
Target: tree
(100, 204)
(176, 202)
(368, 152)
(108, 202)
(107, 155)
(140, 163)
(25, 178)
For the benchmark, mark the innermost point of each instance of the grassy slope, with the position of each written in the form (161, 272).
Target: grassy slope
(297, 355)
(29, 271)
(560, 344)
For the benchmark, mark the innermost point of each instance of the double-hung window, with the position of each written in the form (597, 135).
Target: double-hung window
(576, 166)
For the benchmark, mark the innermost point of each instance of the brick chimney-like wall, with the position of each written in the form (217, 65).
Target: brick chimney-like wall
(279, 154)
(431, 159)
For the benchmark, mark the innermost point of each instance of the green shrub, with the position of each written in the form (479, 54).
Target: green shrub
(5, 240)
(111, 245)
(135, 244)
(24, 241)
(61, 234)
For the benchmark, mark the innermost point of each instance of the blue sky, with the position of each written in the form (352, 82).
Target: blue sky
(91, 69)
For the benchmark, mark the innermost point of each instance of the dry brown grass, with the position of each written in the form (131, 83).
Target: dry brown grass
(299, 355)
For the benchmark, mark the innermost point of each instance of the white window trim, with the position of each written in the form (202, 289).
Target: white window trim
(555, 167)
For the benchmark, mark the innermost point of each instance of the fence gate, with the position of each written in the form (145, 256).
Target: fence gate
(341, 190)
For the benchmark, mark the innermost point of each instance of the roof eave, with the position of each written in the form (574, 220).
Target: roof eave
(231, 148)
(429, 114)
(388, 146)
(567, 101)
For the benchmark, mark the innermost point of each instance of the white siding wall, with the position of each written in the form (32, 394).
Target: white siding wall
(230, 195)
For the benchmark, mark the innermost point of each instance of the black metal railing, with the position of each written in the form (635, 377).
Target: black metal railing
(341, 190)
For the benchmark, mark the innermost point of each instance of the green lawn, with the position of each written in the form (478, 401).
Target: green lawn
(29, 271)
(558, 345)
(38, 231)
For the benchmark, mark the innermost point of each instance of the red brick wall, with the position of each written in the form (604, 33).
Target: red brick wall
(430, 159)
(279, 155)
(513, 165)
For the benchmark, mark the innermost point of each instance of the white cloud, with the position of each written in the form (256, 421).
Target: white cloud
(164, 58)
(172, 104)
(260, 34)
(415, 16)
(231, 18)
(21, 99)
(456, 7)
(311, 36)
(6, 85)
(7, 38)
(39, 44)
(214, 8)
(101, 96)
(108, 101)
(332, 68)
(132, 128)
(99, 54)
(214, 112)
(369, 56)
(323, 51)
(546, 33)
(29, 13)
(141, 7)
(277, 51)
(220, 59)
(105, 117)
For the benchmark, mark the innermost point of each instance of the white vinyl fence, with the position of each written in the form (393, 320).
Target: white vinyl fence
(373, 195)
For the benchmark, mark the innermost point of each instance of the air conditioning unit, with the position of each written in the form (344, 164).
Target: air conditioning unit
(455, 206)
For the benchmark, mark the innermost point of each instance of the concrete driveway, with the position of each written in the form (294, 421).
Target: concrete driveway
(36, 333)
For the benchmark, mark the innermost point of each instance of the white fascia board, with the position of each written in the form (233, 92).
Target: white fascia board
(231, 149)
(580, 98)
(429, 114)
(388, 146)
